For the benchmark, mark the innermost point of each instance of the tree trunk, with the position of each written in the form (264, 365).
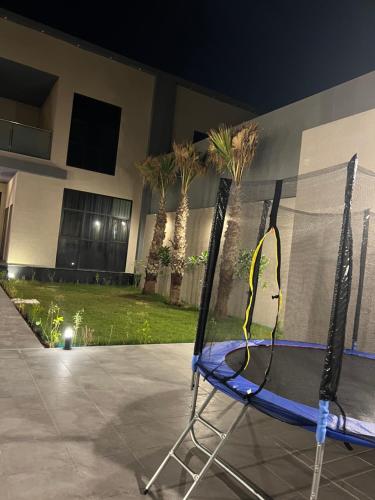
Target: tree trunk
(152, 268)
(179, 250)
(229, 254)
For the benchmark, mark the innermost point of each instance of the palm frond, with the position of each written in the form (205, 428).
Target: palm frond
(188, 163)
(158, 172)
(231, 151)
(220, 147)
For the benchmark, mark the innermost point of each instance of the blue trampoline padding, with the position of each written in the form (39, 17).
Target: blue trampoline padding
(289, 411)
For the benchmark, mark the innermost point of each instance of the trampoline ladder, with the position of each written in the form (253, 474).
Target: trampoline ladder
(196, 417)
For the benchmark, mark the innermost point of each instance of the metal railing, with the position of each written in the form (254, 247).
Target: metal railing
(25, 140)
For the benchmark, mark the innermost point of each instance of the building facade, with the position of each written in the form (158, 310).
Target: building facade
(74, 120)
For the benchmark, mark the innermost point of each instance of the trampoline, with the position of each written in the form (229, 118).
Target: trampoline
(296, 403)
(287, 317)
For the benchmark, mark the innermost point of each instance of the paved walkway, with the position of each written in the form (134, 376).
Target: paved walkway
(94, 423)
(14, 331)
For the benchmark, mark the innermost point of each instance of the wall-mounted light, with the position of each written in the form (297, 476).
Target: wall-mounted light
(11, 275)
(97, 223)
(68, 338)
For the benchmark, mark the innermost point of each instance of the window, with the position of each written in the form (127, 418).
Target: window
(199, 136)
(94, 232)
(94, 133)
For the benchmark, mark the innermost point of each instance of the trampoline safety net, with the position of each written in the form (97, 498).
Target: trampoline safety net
(287, 307)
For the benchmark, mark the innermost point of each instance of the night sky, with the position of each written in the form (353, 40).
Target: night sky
(267, 53)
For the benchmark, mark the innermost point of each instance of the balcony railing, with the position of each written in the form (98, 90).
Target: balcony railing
(25, 140)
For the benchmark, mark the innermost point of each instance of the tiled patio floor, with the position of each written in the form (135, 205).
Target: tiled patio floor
(94, 423)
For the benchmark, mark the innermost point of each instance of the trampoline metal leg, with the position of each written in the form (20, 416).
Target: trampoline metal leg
(317, 471)
(196, 416)
(228, 469)
(223, 438)
(171, 453)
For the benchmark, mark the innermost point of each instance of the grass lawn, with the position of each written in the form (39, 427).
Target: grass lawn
(115, 314)
(121, 315)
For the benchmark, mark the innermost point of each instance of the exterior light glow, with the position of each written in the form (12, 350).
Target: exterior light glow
(68, 337)
(11, 275)
(97, 223)
(73, 263)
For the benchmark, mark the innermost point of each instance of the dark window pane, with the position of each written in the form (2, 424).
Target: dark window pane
(93, 255)
(199, 136)
(94, 133)
(118, 230)
(121, 208)
(98, 203)
(116, 257)
(71, 224)
(94, 227)
(73, 199)
(67, 254)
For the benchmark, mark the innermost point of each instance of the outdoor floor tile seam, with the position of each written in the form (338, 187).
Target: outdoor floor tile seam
(310, 462)
(309, 467)
(105, 420)
(353, 476)
(353, 490)
(49, 413)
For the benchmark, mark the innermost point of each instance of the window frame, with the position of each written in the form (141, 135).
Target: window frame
(81, 239)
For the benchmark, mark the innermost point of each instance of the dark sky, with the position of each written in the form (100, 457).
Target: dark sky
(267, 53)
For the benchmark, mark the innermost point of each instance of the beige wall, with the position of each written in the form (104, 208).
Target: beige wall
(3, 194)
(36, 214)
(336, 142)
(19, 112)
(97, 77)
(195, 111)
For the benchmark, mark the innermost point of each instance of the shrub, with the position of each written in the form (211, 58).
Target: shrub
(243, 263)
(51, 326)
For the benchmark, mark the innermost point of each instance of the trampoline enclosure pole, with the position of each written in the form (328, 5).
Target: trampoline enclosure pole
(213, 253)
(321, 430)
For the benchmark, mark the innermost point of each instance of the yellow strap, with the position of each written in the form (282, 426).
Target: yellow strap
(251, 287)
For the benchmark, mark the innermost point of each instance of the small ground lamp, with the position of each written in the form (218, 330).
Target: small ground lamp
(68, 338)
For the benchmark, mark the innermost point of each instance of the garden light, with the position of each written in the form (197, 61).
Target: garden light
(68, 337)
(11, 275)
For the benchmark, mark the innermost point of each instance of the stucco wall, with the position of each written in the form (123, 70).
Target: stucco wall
(195, 111)
(35, 220)
(336, 142)
(3, 193)
(19, 112)
(97, 77)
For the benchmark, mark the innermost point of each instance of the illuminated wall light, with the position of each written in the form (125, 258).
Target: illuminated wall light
(11, 275)
(97, 224)
(68, 338)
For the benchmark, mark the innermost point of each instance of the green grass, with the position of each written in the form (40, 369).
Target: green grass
(122, 315)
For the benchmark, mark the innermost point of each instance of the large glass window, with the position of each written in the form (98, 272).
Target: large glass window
(94, 232)
(94, 133)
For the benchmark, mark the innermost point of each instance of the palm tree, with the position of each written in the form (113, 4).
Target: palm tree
(159, 173)
(189, 166)
(231, 152)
